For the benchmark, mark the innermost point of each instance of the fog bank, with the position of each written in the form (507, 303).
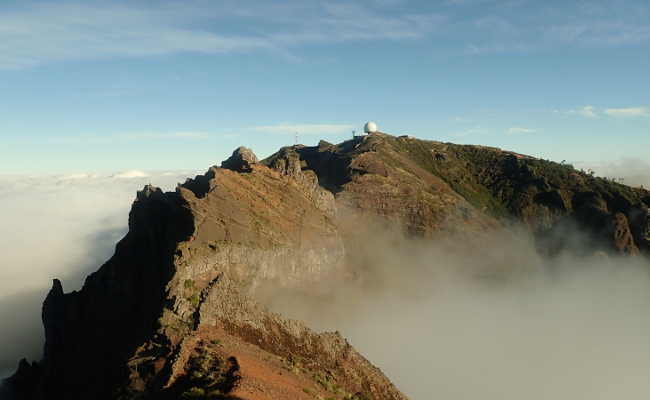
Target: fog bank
(630, 171)
(487, 319)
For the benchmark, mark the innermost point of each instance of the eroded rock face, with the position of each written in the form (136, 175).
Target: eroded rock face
(241, 160)
(622, 235)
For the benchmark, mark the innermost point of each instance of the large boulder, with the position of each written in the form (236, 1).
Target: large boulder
(241, 160)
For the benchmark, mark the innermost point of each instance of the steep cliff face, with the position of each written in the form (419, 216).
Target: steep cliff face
(170, 313)
(89, 333)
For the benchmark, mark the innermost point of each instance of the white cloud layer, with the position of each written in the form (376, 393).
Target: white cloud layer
(630, 171)
(131, 174)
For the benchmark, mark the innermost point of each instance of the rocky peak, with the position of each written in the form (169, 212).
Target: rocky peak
(241, 160)
(148, 191)
(287, 161)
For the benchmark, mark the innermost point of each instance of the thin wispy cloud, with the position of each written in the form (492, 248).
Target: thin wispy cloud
(343, 21)
(592, 112)
(305, 129)
(187, 135)
(40, 32)
(43, 32)
(135, 137)
(62, 31)
(536, 27)
(476, 130)
(600, 32)
(520, 130)
(630, 112)
(491, 48)
(495, 24)
(584, 111)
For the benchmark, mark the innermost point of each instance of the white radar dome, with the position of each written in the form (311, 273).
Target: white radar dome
(370, 127)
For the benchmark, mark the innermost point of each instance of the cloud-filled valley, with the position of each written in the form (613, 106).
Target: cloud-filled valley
(488, 319)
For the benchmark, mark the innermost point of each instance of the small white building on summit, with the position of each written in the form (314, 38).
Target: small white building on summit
(370, 127)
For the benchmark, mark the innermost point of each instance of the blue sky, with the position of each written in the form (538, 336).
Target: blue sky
(104, 86)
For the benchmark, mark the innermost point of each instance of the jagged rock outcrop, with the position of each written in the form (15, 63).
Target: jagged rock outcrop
(241, 160)
(288, 162)
(180, 280)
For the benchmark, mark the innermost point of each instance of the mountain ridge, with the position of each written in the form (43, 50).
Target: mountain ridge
(182, 275)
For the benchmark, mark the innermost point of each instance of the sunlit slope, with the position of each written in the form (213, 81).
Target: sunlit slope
(435, 187)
